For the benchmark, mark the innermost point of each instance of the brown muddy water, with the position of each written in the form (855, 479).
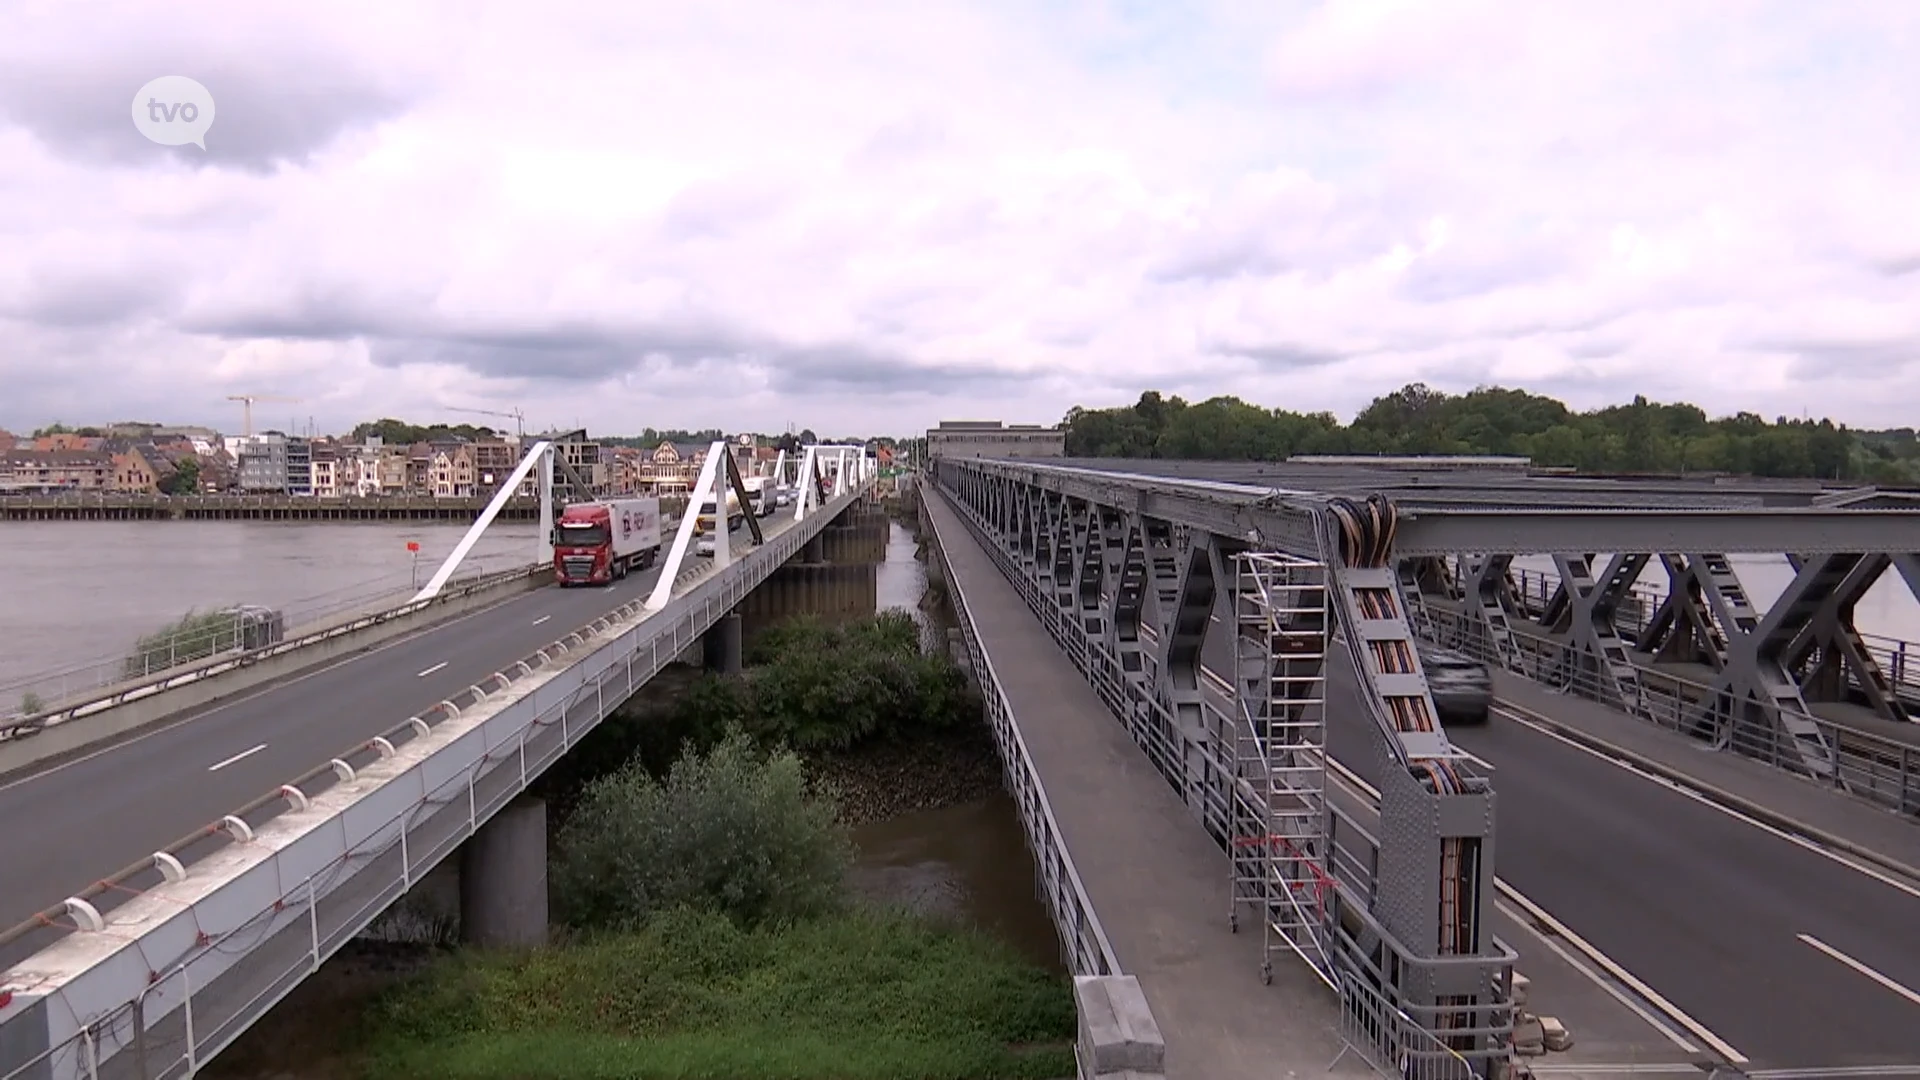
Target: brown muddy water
(966, 862)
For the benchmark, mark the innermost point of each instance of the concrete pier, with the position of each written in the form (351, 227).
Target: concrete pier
(503, 879)
(833, 578)
(721, 645)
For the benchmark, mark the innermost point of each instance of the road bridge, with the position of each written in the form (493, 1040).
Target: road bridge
(260, 835)
(1687, 912)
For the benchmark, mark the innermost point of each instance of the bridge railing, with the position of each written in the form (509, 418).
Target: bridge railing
(1876, 767)
(285, 882)
(1894, 656)
(1082, 940)
(103, 684)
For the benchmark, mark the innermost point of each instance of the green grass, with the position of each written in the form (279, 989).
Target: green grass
(862, 996)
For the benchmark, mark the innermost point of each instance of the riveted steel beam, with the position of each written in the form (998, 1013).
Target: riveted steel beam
(1811, 531)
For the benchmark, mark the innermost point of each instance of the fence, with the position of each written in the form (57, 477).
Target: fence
(1082, 939)
(210, 648)
(1532, 589)
(1873, 766)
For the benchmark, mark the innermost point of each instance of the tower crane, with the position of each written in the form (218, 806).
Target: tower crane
(519, 418)
(247, 401)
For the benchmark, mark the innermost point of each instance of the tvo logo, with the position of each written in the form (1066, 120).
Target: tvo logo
(173, 110)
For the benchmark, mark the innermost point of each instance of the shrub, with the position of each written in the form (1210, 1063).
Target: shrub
(821, 687)
(728, 831)
(854, 996)
(194, 636)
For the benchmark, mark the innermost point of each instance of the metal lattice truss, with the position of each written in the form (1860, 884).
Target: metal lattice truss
(1200, 616)
(1764, 667)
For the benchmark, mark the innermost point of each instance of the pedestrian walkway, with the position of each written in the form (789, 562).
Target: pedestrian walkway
(1157, 882)
(1787, 801)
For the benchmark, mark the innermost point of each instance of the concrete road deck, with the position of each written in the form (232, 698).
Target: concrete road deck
(1158, 883)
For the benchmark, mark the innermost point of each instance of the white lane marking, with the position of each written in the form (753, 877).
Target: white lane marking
(1606, 963)
(1580, 965)
(541, 619)
(254, 693)
(241, 756)
(1802, 842)
(432, 669)
(1904, 991)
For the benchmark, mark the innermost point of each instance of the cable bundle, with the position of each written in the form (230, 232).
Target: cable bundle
(1360, 535)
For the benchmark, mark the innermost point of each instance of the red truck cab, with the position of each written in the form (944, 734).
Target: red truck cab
(595, 543)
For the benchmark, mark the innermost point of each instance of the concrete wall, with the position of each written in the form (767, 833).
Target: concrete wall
(113, 721)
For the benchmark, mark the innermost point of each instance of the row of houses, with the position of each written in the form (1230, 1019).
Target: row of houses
(159, 461)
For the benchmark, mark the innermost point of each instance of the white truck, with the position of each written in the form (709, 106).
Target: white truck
(601, 541)
(762, 494)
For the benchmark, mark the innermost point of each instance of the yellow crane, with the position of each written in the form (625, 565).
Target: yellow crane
(247, 401)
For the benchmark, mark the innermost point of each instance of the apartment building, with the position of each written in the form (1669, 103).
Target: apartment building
(326, 471)
(56, 470)
(992, 439)
(453, 471)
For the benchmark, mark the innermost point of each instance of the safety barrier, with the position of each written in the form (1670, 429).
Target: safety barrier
(1875, 767)
(202, 947)
(92, 703)
(1532, 589)
(1081, 937)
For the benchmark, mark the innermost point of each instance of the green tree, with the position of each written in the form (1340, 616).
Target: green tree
(728, 831)
(1642, 436)
(183, 480)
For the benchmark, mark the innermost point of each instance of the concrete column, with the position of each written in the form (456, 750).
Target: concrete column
(722, 645)
(503, 879)
(814, 551)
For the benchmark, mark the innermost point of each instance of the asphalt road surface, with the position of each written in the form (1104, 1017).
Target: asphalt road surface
(69, 825)
(1710, 911)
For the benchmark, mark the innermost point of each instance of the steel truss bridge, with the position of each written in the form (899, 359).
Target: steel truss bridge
(157, 967)
(1131, 565)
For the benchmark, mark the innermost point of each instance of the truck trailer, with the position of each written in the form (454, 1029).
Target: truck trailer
(763, 494)
(595, 543)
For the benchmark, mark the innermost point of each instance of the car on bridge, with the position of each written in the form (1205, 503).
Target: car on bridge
(1462, 686)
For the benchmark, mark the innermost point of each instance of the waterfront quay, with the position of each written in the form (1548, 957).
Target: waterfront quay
(129, 506)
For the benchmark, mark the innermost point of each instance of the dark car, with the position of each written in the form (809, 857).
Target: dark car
(1462, 687)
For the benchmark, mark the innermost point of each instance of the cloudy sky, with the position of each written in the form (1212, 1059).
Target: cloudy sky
(860, 216)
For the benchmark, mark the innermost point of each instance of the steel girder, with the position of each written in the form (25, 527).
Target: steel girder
(1280, 519)
(1767, 664)
(1138, 584)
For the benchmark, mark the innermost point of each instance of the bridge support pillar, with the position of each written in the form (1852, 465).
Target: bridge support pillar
(503, 879)
(722, 645)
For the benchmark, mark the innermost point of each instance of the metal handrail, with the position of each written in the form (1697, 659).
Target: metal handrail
(1043, 831)
(1872, 766)
(19, 727)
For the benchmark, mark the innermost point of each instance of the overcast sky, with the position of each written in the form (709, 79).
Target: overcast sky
(863, 216)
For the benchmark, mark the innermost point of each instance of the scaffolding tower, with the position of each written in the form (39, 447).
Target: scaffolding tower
(1278, 846)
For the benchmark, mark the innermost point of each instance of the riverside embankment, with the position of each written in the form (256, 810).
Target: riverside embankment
(969, 976)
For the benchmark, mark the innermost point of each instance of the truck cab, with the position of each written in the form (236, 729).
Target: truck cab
(597, 543)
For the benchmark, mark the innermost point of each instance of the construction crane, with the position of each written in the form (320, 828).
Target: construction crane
(247, 401)
(519, 418)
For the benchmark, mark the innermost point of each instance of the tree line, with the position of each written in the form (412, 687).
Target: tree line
(1639, 438)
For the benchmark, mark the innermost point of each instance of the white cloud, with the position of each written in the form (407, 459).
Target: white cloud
(854, 216)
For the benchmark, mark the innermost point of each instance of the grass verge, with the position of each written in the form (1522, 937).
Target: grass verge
(860, 996)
